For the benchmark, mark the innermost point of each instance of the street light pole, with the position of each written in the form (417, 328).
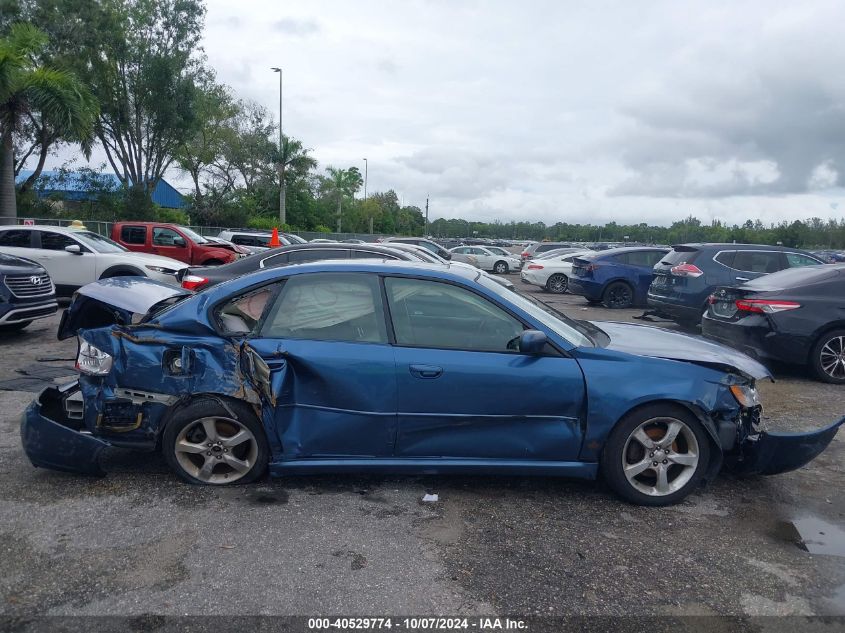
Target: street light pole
(366, 165)
(282, 157)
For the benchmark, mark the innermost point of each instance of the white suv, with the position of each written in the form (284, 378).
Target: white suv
(75, 257)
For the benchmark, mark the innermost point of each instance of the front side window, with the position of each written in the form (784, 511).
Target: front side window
(328, 307)
(16, 238)
(439, 315)
(133, 234)
(167, 237)
(242, 314)
(796, 261)
(56, 241)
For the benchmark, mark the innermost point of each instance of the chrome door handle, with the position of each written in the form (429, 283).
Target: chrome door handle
(743, 279)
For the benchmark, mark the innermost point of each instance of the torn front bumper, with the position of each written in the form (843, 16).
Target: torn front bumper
(768, 453)
(52, 440)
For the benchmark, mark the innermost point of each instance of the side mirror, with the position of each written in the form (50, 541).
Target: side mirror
(446, 255)
(532, 342)
(74, 248)
(179, 242)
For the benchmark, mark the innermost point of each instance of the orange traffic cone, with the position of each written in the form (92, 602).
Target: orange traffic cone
(274, 239)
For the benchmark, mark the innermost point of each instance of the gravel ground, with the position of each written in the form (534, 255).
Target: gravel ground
(140, 542)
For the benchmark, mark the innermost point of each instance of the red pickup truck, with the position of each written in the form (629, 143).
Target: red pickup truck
(172, 240)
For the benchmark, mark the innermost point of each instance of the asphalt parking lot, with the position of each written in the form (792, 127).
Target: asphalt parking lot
(139, 541)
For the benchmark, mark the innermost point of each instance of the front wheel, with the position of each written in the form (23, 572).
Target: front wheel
(656, 456)
(557, 283)
(208, 443)
(827, 359)
(618, 295)
(501, 268)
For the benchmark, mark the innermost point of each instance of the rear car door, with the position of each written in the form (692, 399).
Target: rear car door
(332, 370)
(463, 389)
(750, 264)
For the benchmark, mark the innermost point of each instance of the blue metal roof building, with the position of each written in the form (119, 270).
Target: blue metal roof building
(73, 187)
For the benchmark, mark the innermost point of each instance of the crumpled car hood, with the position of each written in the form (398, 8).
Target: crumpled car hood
(647, 340)
(114, 300)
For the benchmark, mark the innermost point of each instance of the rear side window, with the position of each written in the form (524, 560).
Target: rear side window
(725, 258)
(16, 238)
(757, 261)
(796, 260)
(56, 241)
(317, 254)
(641, 258)
(133, 234)
(328, 307)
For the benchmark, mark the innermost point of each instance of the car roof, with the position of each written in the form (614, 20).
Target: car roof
(41, 227)
(630, 249)
(729, 245)
(325, 246)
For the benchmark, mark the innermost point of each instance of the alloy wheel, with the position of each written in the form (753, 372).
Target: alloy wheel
(832, 357)
(501, 268)
(619, 296)
(558, 284)
(216, 450)
(660, 456)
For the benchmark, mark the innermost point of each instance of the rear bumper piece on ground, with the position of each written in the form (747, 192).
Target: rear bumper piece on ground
(774, 453)
(52, 440)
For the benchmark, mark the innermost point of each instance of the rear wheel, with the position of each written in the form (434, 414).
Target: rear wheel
(501, 268)
(618, 295)
(827, 359)
(208, 443)
(656, 455)
(557, 283)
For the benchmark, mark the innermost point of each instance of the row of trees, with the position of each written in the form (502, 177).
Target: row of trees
(813, 233)
(130, 76)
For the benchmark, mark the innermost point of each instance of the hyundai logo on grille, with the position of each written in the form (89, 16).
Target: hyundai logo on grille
(35, 281)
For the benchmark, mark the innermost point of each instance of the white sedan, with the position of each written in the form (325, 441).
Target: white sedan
(551, 273)
(489, 260)
(75, 257)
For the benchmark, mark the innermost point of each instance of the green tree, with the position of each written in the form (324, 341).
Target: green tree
(145, 72)
(341, 183)
(34, 91)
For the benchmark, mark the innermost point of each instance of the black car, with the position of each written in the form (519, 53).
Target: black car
(203, 277)
(794, 316)
(688, 274)
(26, 293)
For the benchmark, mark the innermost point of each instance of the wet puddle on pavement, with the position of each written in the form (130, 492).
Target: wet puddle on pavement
(814, 535)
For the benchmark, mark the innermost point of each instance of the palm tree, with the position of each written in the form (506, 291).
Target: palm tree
(29, 88)
(296, 159)
(342, 182)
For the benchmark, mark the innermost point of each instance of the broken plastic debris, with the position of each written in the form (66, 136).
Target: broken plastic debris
(430, 498)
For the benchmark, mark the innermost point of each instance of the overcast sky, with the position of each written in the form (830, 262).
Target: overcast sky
(559, 111)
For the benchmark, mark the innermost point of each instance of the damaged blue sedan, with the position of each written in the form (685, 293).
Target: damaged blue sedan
(399, 367)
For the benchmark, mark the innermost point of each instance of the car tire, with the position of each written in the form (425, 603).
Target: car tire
(557, 283)
(618, 296)
(501, 268)
(14, 327)
(624, 454)
(826, 357)
(210, 442)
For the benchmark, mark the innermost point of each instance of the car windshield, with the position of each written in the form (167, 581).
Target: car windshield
(98, 243)
(579, 333)
(196, 238)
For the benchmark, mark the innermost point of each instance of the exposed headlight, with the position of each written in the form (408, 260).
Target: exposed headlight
(92, 361)
(746, 395)
(160, 269)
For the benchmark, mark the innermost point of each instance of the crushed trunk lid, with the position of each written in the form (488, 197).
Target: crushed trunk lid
(114, 301)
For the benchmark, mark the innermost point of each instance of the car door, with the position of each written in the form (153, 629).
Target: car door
(750, 264)
(485, 259)
(68, 271)
(463, 390)
(332, 369)
(169, 243)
